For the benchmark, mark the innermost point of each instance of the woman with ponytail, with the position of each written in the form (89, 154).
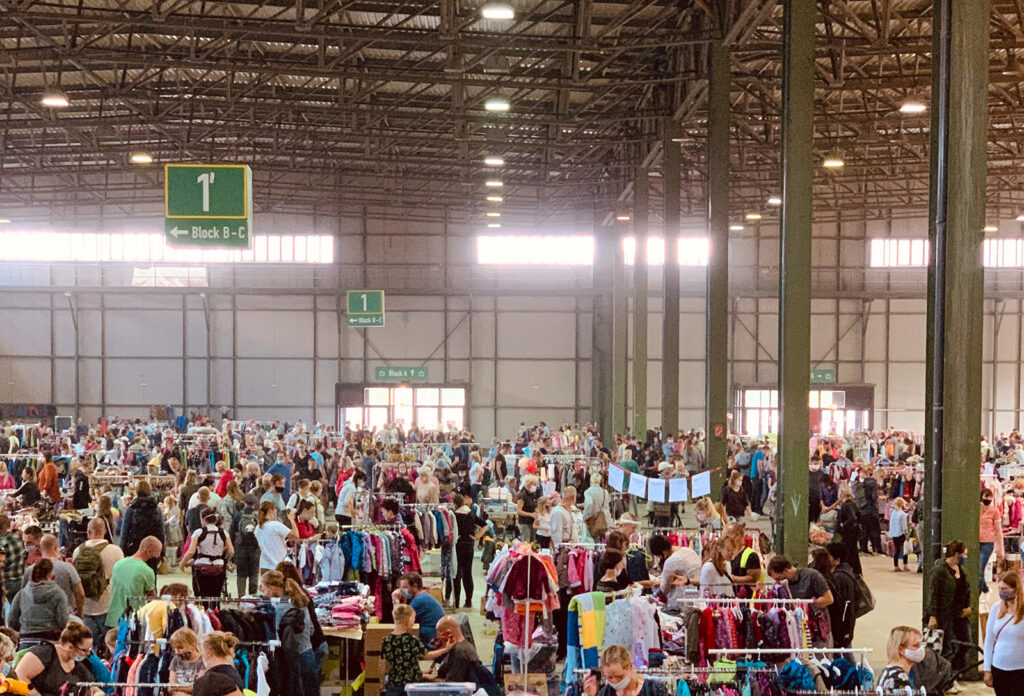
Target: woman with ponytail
(272, 536)
(298, 663)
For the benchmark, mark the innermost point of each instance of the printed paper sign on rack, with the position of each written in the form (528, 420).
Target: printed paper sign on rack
(638, 485)
(701, 484)
(615, 477)
(677, 490)
(656, 490)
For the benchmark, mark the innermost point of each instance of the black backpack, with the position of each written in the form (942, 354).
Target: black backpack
(245, 537)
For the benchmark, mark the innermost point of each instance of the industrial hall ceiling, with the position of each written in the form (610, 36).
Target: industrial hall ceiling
(343, 104)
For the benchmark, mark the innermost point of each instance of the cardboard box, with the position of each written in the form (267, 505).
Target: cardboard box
(373, 641)
(535, 683)
(437, 593)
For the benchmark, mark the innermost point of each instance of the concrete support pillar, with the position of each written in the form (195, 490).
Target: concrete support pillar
(670, 283)
(640, 221)
(716, 363)
(601, 360)
(956, 280)
(795, 275)
(620, 330)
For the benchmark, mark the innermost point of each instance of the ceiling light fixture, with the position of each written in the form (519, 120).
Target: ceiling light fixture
(495, 199)
(833, 161)
(496, 104)
(623, 218)
(494, 183)
(775, 201)
(990, 228)
(493, 161)
(140, 158)
(753, 216)
(494, 225)
(913, 106)
(1020, 218)
(494, 213)
(736, 228)
(5, 221)
(497, 10)
(55, 98)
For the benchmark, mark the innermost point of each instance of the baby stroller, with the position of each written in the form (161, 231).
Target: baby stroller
(934, 673)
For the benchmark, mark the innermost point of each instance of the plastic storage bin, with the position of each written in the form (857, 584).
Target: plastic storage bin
(440, 689)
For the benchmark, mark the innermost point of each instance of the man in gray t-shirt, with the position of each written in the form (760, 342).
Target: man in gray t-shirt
(804, 583)
(64, 574)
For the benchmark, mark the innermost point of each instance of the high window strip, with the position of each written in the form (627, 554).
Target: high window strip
(140, 247)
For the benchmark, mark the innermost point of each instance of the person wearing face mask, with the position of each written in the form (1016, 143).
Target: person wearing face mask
(990, 533)
(48, 667)
(814, 479)
(283, 469)
(428, 610)
(275, 495)
(903, 651)
(620, 677)
(865, 494)
(526, 507)
(950, 602)
(187, 663)
(40, 610)
(1004, 638)
(209, 553)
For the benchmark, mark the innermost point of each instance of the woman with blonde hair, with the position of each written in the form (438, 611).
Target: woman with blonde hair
(218, 651)
(298, 662)
(272, 536)
(1004, 638)
(710, 514)
(899, 528)
(620, 677)
(903, 651)
(715, 575)
(848, 526)
(427, 490)
(526, 506)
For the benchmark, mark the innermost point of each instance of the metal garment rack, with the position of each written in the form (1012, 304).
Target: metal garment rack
(788, 651)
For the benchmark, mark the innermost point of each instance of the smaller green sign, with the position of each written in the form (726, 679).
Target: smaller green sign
(825, 375)
(365, 308)
(400, 374)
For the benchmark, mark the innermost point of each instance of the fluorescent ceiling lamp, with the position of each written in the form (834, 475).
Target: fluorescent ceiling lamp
(991, 228)
(493, 161)
(494, 225)
(913, 106)
(775, 201)
(496, 104)
(494, 183)
(140, 158)
(494, 213)
(833, 162)
(497, 10)
(753, 216)
(1020, 218)
(495, 199)
(736, 228)
(623, 218)
(55, 98)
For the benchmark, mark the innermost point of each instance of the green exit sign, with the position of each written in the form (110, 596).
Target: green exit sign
(365, 308)
(825, 375)
(208, 205)
(400, 374)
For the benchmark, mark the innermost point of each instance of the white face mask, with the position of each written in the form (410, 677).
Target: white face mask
(915, 655)
(621, 685)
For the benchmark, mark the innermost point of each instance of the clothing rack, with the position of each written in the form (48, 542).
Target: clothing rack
(258, 601)
(24, 455)
(371, 527)
(581, 545)
(737, 600)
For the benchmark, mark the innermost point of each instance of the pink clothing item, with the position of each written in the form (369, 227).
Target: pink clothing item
(7, 483)
(991, 526)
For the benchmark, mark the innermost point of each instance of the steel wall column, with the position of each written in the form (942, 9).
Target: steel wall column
(716, 362)
(956, 280)
(640, 221)
(601, 360)
(795, 274)
(670, 282)
(620, 330)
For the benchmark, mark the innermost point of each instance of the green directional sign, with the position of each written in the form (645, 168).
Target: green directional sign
(400, 374)
(365, 308)
(208, 205)
(825, 375)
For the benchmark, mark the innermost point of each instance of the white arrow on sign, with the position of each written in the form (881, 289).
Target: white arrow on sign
(176, 232)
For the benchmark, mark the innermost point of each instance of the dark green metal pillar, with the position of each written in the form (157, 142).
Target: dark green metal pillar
(640, 218)
(716, 364)
(670, 282)
(620, 330)
(956, 279)
(601, 360)
(795, 274)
